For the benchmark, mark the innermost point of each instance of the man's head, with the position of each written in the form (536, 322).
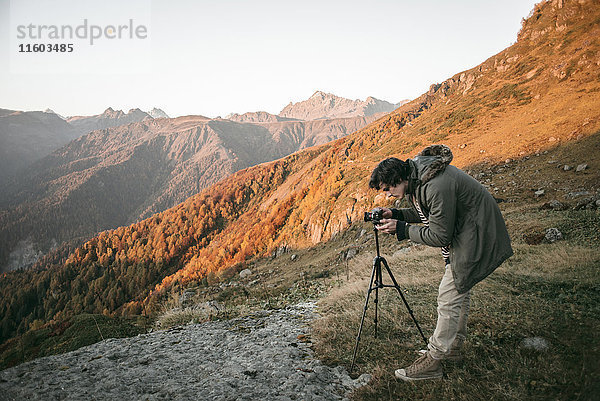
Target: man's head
(391, 175)
(389, 172)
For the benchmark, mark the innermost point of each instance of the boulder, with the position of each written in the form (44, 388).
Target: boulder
(553, 235)
(539, 344)
(554, 205)
(352, 252)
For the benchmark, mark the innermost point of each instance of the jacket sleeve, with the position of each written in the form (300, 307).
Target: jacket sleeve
(409, 215)
(440, 199)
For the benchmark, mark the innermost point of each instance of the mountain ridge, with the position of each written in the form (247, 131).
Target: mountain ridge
(322, 105)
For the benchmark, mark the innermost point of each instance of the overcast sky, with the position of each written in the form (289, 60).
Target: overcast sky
(217, 57)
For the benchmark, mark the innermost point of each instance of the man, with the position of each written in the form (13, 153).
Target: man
(461, 217)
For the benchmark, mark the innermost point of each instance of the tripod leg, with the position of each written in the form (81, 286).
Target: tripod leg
(362, 320)
(378, 282)
(404, 300)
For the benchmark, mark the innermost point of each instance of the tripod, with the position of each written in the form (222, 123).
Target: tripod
(375, 285)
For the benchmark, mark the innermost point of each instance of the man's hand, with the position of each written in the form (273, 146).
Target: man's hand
(387, 225)
(394, 227)
(387, 213)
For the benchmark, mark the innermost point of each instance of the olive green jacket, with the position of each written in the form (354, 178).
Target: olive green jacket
(461, 213)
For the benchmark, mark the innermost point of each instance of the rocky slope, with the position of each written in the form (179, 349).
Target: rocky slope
(262, 356)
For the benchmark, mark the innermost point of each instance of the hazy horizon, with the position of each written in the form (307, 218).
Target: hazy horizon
(213, 59)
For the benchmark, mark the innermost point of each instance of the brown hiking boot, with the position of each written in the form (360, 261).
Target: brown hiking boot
(424, 368)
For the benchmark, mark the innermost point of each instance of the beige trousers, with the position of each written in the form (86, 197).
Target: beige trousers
(453, 310)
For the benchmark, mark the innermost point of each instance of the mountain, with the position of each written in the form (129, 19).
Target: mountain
(542, 94)
(27, 136)
(53, 112)
(110, 118)
(257, 117)
(116, 176)
(157, 113)
(323, 105)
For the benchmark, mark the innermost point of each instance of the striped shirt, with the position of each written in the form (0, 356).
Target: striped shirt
(425, 220)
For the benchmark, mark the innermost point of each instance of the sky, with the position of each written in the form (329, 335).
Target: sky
(232, 56)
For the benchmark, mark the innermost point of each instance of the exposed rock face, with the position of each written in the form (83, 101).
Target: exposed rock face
(323, 105)
(53, 112)
(110, 118)
(157, 113)
(24, 254)
(257, 117)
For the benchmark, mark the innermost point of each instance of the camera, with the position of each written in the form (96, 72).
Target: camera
(375, 216)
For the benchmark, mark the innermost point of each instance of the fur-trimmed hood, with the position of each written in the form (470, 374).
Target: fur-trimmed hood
(431, 161)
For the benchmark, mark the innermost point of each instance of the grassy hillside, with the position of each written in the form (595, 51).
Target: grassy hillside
(541, 93)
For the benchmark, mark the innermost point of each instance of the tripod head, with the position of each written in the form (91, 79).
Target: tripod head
(375, 217)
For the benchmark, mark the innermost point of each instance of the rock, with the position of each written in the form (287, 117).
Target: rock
(539, 193)
(553, 235)
(554, 205)
(186, 298)
(401, 252)
(352, 252)
(587, 203)
(253, 357)
(245, 273)
(294, 257)
(539, 344)
(507, 161)
(581, 167)
(566, 167)
(281, 250)
(577, 194)
(212, 307)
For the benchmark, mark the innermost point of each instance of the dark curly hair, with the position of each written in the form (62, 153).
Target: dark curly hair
(390, 171)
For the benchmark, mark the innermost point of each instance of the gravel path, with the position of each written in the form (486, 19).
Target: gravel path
(256, 357)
